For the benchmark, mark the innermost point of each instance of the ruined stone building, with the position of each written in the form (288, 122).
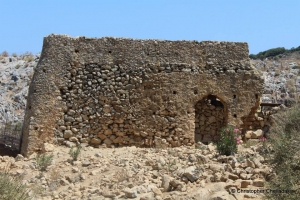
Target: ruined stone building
(137, 92)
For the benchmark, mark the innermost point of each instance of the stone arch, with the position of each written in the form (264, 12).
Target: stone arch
(210, 117)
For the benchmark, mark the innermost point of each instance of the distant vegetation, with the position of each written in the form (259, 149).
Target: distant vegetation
(273, 52)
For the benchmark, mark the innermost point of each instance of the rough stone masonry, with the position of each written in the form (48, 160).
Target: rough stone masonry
(118, 92)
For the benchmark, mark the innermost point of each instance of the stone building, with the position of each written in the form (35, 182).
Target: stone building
(118, 92)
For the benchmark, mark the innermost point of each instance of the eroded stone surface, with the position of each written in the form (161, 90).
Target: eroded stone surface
(121, 92)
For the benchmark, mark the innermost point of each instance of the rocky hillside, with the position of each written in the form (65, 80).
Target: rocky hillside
(15, 75)
(281, 74)
(282, 77)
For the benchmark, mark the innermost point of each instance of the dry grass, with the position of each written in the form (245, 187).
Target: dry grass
(4, 54)
(11, 186)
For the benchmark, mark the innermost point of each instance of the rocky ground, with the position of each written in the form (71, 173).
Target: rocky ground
(282, 77)
(145, 173)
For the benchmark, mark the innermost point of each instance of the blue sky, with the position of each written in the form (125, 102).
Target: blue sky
(264, 24)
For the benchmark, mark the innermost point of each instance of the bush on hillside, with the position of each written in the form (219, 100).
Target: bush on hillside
(273, 52)
(4, 54)
(284, 154)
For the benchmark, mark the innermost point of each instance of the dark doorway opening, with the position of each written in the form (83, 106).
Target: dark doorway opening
(210, 118)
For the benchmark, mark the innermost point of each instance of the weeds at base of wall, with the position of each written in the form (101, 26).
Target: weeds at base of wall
(43, 161)
(75, 152)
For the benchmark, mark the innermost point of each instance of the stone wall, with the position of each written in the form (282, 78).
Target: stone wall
(116, 92)
(258, 125)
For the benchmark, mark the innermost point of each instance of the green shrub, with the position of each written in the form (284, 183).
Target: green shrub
(273, 52)
(43, 161)
(229, 139)
(75, 152)
(11, 187)
(284, 154)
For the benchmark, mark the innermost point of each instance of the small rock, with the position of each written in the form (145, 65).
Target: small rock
(166, 182)
(176, 184)
(248, 134)
(249, 195)
(68, 134)
(243, 176)
(147, 196)
(221, 195)
(130, 193)
(107, 141)
(20, 171)
(245, 183)
(257, 134)
(47, 147)
(211, 147)
(63, 182)
(95, 141)
(73, 139)
(192, 158)
(191, 173)
(257, 163)
(162, 160)
(233, 176)
(19, 157)
(258, 183)
(85, 163)
(75, 169)
(249, 163)
(156, 191)
(216, 168)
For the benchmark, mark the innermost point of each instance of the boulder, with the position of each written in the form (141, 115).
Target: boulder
(221, 195)
(130, 193)
(68, 134)
(245, 183)
(95, 141)
(257, 134)
(191, 173)
(166, 179)
(47, 147)
(258, 183)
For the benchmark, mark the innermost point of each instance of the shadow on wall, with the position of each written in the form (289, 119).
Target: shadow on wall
(210, 117)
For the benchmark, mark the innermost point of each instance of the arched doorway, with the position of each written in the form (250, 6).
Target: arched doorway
(210, 117)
